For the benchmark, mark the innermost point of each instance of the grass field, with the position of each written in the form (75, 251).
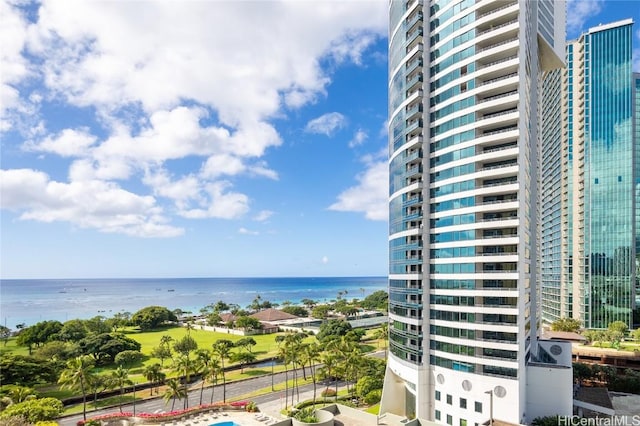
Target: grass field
(265, 347)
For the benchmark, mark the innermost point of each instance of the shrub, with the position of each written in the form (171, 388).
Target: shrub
(306, 415)
(328, 392)
(34, 410)
(373, 397)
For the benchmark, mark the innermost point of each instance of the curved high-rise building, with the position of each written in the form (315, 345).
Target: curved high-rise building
(464, 77)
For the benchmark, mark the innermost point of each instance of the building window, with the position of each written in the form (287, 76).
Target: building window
(449, 400)
(438, 415)
(437, 395)
(449, 419)
(463, 422)
(463, 403)
(478, 407)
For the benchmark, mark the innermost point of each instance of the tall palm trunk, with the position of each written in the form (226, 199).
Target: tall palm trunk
(213, 387)
(286, 385)
(312, 369)
(224, 381)
(84, 400)
(121, 396)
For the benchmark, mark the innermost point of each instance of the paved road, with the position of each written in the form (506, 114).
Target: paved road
(234, 390)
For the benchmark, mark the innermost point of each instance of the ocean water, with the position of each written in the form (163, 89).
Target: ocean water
(30, 301)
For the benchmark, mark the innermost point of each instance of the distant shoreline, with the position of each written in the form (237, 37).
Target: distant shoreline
(194, 278)
(32, 300)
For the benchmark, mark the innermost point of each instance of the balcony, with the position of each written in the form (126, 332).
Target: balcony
(412, 20)
(413, 81)
(413, 111)
(413, 126)
(412, 65)
(413, 36)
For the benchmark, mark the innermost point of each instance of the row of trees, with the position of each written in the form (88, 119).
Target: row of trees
(607, 375)
(615, 333)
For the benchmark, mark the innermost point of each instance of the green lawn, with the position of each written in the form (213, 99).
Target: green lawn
(265, 343)
(265, 347)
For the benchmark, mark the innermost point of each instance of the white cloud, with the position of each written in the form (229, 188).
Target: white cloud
(326, 124)
(324, 260)
(15, 68)
(218, 203)
(245, 231)
(224, 164)
(358, 138)
(578, 11)
(370, 195)
(263, 215)
(199, 80)
(90, 204)
(384, 130)
(69, 143)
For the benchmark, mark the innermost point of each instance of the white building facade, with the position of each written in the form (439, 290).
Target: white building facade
(464, 77)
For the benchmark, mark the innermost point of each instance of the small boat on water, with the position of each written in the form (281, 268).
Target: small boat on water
(171, 289)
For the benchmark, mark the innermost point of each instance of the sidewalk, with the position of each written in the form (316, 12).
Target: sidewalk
(273, 408)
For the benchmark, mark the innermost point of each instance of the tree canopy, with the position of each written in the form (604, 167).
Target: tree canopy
(298, 311)
(104, 347)
(376, 300)
(34, 410)
(152, 317)
(333, 329)
(566, 324)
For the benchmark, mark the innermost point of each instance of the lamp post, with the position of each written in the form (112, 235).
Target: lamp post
(490, 392)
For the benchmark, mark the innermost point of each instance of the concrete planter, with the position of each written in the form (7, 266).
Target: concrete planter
(325, 418)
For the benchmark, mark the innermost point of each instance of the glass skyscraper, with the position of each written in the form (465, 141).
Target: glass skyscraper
(636, 114)
(589, 273)
(464, 123)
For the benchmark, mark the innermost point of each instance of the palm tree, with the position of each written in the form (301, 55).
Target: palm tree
(283, 354)
(97, 385)
(311, 354)
(154, 374)
(202, 366)
(382, 333)
(165, 340)
(222, 348)
(21, 394)
(214, 372)
(182, 365)
(120, 378)
(174, 391)
(330, 362)
(77, 375)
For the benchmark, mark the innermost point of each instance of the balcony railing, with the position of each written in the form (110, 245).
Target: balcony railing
(493, 80)
(491, 46)
(502, 95)
(498, 114)
(497, 27)
(499, 61)
(498, 166)
(495, 132)
(482, 15)
(411, 22)
(502, 148)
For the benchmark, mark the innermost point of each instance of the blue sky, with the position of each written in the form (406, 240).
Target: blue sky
(186, 139)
